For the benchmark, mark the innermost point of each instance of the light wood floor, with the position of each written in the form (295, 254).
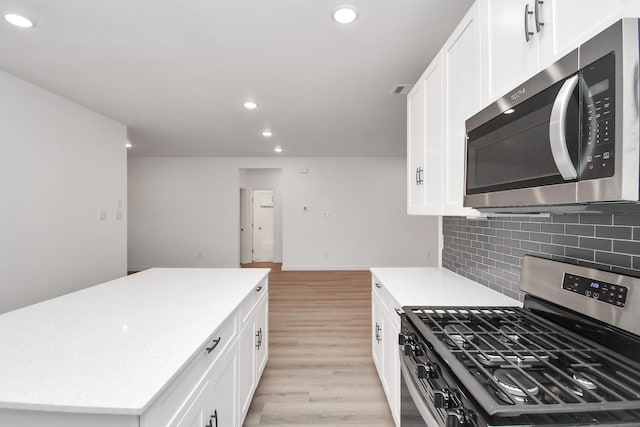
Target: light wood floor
(320, 371)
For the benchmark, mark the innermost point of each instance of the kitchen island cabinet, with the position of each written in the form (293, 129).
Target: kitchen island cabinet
(393, 288)
(158, 348)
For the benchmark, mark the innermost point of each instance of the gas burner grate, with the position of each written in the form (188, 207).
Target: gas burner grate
(541, 367)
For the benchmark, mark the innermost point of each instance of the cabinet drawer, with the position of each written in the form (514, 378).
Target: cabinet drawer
(182, 390)
(250, 301)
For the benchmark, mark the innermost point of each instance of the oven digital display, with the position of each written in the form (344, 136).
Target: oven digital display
(598, 290)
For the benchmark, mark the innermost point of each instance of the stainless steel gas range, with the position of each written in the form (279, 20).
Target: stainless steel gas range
(569, 357)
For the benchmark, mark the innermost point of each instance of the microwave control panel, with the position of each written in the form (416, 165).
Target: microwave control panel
(596, 289)
(598, 118)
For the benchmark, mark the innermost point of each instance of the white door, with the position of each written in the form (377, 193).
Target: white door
(568, 22)
(415, 148)
(222, 400)
(433, 136)
(263, 225)
(463, 83)
(512, 59)
(245, 226)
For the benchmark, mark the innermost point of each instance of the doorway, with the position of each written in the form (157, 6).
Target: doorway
(262, 227)
(260, 216)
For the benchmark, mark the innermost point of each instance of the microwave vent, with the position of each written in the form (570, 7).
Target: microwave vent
(401, 89)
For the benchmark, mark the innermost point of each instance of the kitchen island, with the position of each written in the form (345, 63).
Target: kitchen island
(143, 350)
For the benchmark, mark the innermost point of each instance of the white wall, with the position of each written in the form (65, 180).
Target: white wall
(268, 179)
(61, 165)
(185, 212)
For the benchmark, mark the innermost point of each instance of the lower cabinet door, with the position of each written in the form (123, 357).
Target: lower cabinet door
(196, 415)
(222, 407)
(246, 364)
(215, 403)
(262, 331)
(376, 336)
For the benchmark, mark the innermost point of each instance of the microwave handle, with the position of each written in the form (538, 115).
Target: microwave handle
(557, 130)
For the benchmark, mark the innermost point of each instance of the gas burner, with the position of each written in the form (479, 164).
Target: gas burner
(581, 383)
(584, 382)
(490, 358)
(512, 381)
(454, 338)
(508, 337)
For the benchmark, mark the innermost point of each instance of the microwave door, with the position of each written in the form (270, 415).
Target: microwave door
(528, 155)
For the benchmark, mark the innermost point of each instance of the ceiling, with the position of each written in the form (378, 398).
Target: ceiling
(177, 72)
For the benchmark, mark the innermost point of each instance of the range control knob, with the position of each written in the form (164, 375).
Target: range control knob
(457, 418)
(427, 371)
(412, 350)
(404, 338)
(443, 399)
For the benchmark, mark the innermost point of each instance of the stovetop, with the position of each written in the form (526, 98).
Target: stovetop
(515, 362)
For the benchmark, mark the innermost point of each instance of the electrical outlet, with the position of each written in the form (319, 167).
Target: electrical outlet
(103, 215)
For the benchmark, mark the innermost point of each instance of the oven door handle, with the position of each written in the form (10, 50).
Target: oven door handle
(416, 395)
(558, 130)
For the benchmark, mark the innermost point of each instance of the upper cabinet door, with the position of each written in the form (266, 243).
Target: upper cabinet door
(567, 23)
(510, 57)
(434, 105)
(463, 88)
(415, 148)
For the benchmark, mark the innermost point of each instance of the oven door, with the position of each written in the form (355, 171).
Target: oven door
(523, 150)
(414, 409)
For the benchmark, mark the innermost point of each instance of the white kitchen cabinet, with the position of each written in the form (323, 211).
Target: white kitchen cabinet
(253, 347)
(262, 332)
(222, 401)
(214, 404)
(415, 147)
(571, 22)
(522, 37)
(510, 57)
(424, 143)
(462, 98)
(384, 345)
(196, 412)
(376, 333)
(452, 91)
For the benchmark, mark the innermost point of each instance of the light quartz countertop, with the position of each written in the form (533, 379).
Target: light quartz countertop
(112, 348)
(437, 287)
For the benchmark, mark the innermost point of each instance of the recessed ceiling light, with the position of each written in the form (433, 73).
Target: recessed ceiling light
(345, 14)
(278, 149)
(267, 133)
(509, 111)
(18, 20)
(250, 105)
(128, 145)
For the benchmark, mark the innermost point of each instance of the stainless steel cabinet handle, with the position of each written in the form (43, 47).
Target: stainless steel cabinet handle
(378, 285)
(527, 33)
(539, 23)
(557, 130)
(419, 175)
(259, 288)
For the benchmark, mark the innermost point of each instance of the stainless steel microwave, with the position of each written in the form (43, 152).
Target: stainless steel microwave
(569, 136)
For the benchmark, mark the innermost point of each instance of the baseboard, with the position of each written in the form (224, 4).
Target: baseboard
(325, 268)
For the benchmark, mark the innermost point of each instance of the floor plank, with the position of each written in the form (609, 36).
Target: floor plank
(320, 371)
